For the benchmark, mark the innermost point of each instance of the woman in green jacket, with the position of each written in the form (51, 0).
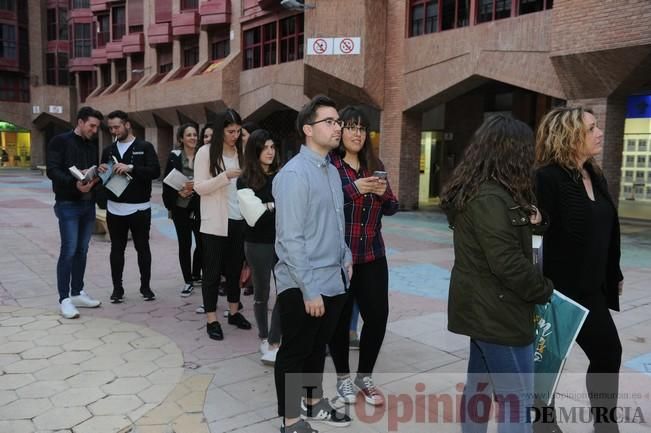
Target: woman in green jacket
(494, 285)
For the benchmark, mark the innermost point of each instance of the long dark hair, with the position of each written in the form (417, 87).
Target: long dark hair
(353, 116)
(253, 175)
(181, 131)
(203, 132)
(223, 121)
(501, 150)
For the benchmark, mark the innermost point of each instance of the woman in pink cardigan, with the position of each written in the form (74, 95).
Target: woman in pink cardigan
(216, 169)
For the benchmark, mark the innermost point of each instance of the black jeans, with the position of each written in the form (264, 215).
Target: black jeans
(261, 259)
(139, 223)
(299, 363)
(370, 288)
(222, 254)
(186, 222)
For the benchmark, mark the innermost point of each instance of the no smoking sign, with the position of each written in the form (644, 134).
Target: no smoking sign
(333, 46)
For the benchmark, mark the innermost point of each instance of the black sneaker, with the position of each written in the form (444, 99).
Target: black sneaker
(187, 290)
(298, 427)
(214, 330)
(325, 413)
(147, 294)
(238, 320)
(117, 297)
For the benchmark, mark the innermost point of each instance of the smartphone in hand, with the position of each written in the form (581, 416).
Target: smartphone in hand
(380, 174)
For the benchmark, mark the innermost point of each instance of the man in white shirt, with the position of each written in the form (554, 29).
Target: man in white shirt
(135, 159)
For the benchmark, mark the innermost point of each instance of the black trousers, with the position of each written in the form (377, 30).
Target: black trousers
(600, 341)
(188, 222)
(222, 255)
(299, 363)
(118, 226)
(370, 288)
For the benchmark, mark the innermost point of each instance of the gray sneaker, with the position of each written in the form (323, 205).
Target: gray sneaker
(346, 390)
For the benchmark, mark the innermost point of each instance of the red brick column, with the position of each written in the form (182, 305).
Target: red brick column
(400, 139)
(611, 114)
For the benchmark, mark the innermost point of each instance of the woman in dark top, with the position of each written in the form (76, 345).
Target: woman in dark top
(260, 167)
(581, 248)
(184, 207)
(367, 198)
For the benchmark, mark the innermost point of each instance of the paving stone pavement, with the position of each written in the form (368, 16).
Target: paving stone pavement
(148, 367)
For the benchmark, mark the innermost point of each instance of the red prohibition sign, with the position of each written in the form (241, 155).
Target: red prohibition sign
(346, 46)
(320, 46)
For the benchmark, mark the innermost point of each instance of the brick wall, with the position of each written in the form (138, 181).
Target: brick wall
(594, 25)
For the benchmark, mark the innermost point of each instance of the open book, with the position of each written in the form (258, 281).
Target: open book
(176, 179)
(84, 177)
(116, 183)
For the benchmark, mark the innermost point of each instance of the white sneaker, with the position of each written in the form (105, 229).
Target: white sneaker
(84, 301)
(264, 346)
(200, 310)
(269, 358)
(68, 310)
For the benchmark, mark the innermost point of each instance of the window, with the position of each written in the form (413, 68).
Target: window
(490, 10)
(190, 49)
(52, 33)
(14, 88)
(103, 33)
(105, 70)
(189, 5)
(118, 18)
(529, 6)
(220, 49)
(252, 48)
(82, 41)
(429, 16)
(642, 146)
(630, 145)
(121, 71)
(57, 24)
(641, 161)
(7, 41)
(164, 68)
(8, 5)
(269, 44)
(136, 29)
(80, 4)
(275, 42)
(291, 39)
(56, 65)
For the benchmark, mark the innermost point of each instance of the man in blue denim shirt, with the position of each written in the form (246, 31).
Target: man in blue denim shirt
(74, 207)
(313, 270)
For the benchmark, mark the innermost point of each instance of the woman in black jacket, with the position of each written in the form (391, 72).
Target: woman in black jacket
(257, 203)
(581, 248)
(184, 207)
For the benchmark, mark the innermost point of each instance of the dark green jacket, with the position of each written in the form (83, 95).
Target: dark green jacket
(494, 284)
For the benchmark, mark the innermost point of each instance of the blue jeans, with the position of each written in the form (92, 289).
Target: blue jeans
(505, 372)
(76, 224)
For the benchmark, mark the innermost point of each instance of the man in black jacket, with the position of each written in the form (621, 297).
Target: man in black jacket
(137, 160)
(74, 207)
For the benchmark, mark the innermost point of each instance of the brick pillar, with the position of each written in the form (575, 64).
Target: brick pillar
(611, 114)
(400, 138)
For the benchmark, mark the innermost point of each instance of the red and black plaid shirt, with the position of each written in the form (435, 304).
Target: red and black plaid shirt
(363, 213)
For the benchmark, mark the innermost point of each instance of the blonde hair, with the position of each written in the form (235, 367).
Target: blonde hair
(561, 138)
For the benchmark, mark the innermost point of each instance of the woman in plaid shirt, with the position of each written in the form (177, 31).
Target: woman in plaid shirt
(367, 197)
